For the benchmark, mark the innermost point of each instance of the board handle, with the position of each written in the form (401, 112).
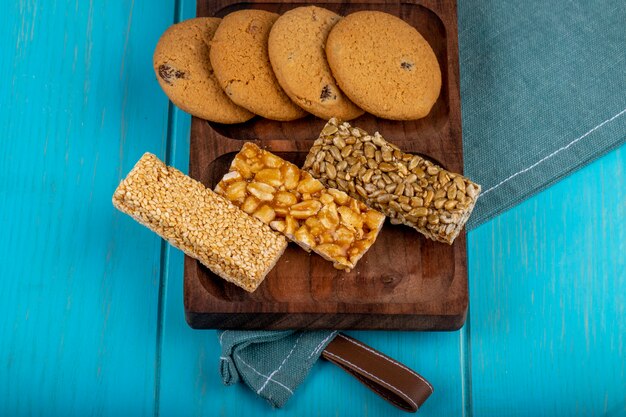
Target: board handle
(394, 382)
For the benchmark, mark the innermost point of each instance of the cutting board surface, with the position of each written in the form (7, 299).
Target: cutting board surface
(404, 281)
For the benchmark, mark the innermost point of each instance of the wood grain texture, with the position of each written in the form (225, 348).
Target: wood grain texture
(79, 280)
(189, 380)
(404, 281)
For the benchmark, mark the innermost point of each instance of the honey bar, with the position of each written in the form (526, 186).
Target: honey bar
(408, 188)
(199, 222)
(327, 221)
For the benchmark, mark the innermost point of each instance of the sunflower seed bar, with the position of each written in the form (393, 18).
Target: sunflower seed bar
(199, 222)
(407, 188)
(327, 221)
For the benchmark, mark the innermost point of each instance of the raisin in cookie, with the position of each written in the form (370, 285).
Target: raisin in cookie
(384, 65)
(242, 66)
(181, 63)
(296, 50)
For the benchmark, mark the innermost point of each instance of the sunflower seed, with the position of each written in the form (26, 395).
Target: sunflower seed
(331, 171)
(439, 203)
(441, 193)
(367, 176)
(433, 219)
(406, 187)
(378, 140)
(419, 172)
(394, 205)
(339, 142)
(432, 170)
(390, 188)
(428, 197)
(386, 167)
(383, 198)
(419, 212)
(444, 178)
(354, 169)
(346, 151)
(460, 184)
(452, 192)
(329, 129)
(334, 151)
(361, 191)
(450, 204)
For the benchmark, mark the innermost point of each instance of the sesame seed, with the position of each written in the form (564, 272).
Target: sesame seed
(199, 222)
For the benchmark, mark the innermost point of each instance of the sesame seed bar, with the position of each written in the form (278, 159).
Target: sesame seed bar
(327, 221)
(204, 225)
(409, 189)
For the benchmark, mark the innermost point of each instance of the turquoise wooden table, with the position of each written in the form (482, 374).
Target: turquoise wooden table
(91, 304)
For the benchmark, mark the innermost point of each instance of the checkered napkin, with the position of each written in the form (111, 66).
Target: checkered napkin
(271, 363)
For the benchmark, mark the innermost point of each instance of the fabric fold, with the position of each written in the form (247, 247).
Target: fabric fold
(542, 90)
(272, 363)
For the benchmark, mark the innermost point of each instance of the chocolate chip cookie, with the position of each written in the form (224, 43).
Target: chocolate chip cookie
(296, 51)
(384, 65)
(182, 66)
(240, 59)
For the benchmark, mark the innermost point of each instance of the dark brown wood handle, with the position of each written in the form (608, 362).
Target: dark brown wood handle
(394, 382)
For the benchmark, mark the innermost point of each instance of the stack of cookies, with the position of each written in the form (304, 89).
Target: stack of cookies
(308, 60)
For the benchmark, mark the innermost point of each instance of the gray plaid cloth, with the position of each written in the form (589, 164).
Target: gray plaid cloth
(543, 90)
(271, 363)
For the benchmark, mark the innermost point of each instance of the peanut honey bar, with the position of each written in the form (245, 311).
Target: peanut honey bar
(409, 189)
(199, 222)
(327, 221)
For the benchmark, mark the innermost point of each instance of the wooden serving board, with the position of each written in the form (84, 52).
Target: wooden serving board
(405, 281)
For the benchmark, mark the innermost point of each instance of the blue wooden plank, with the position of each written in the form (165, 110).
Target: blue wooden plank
(548, 300)
(79, 280)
